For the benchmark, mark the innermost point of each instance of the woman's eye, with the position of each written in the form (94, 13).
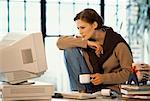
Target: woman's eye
(82, 27)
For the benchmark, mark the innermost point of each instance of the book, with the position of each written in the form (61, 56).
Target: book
(144, 97)
(135, 91)
(135, 87)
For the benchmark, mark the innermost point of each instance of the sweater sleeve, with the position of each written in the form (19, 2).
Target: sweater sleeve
(125, 60)
(69, 42)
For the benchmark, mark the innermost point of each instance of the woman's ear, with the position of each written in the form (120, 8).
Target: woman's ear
(95, 24)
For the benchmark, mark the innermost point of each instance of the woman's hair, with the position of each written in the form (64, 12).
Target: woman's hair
(90, 16)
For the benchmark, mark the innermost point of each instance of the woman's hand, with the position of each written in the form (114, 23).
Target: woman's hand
(95, 45)
(96, 78)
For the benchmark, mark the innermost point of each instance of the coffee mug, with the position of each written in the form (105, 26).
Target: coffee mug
(84, 78)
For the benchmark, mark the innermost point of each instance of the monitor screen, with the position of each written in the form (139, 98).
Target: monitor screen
(22, 57)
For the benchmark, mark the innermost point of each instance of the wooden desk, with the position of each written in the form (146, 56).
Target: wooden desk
(97, 99)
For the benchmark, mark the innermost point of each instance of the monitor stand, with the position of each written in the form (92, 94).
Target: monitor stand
(36, 91)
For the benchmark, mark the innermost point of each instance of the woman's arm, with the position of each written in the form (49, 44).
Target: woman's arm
(69, 42)
(116, 75)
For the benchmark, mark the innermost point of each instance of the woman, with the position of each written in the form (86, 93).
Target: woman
(99, 51)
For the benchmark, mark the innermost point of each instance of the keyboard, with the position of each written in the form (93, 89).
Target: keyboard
(77, 95)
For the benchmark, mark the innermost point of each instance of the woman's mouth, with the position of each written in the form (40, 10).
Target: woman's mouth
(83, 36)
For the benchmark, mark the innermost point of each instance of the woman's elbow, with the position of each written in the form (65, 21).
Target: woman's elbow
(59, 45)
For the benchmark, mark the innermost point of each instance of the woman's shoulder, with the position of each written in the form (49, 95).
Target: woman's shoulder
(122, 48)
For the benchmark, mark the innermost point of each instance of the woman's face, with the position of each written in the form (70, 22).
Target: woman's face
(86, 30)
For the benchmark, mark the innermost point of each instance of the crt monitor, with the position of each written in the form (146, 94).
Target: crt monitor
(22, 57)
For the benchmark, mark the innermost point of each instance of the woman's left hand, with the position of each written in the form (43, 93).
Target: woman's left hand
(96, 46)
(96, 78)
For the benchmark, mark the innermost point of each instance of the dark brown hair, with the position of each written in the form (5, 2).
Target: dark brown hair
(90, 16)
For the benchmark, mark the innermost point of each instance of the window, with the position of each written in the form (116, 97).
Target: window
(3, 16)
(59, 16)
(25, 15)
(20, 15)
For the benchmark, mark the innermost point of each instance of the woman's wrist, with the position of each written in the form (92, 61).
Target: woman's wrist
(88, 42)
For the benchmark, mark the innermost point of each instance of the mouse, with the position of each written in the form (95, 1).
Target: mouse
(57, 95)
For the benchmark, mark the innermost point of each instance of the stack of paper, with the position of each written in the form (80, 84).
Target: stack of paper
(134, 91)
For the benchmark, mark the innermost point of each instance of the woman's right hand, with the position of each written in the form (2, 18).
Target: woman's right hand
(96, 78)
(96, 45)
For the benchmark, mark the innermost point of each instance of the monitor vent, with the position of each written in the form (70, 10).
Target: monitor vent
(27, 56)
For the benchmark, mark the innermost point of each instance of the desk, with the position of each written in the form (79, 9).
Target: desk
(97, 99)
(100, 99)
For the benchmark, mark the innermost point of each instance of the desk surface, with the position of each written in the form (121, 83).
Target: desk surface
(97, 99)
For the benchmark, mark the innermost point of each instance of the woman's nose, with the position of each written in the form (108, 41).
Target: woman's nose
(80, 30)
(81, 33)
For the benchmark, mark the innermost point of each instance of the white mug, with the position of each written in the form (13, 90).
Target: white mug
(84, 78)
